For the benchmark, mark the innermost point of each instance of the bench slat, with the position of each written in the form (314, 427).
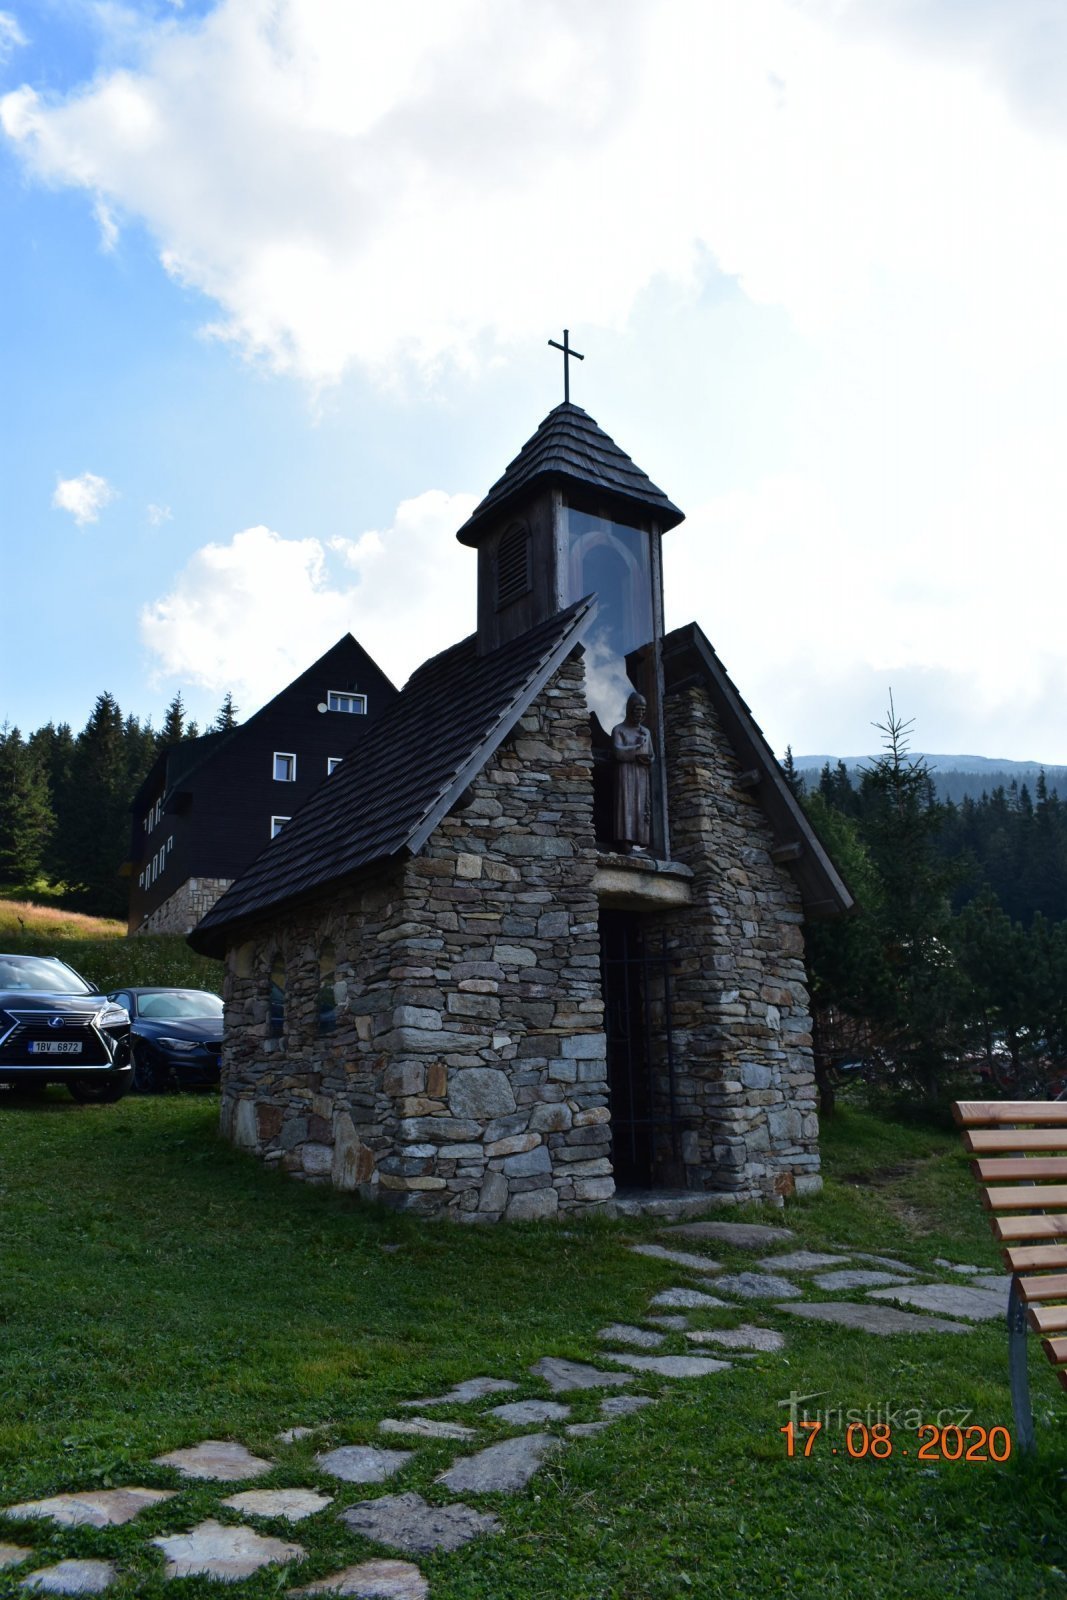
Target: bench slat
(1047, 1319)
(1056, 1350)
(991, 1141)
(1028, 1258)
(993, 1113)
(1008, 1229)
(1030, 1169)
(1052, 1287)
(1025, 1197)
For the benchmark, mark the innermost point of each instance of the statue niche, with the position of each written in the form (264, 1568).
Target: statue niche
(633, 755)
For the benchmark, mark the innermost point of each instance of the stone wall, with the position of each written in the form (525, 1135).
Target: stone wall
(181, 912)
(744, 1077)
(467, 1071)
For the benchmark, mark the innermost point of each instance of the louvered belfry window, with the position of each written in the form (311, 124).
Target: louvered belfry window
(513, 565)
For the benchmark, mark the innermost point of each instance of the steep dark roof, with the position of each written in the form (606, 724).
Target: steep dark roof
(407, 772)
(569, 447)
(688, 657)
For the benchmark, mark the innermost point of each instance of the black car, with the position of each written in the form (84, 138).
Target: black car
(56, 1028)
(175, 1037)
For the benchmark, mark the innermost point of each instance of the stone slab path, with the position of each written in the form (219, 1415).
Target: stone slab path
(407, 1522)
(503, 1468)
(373, 1580)
(222, 1552)
(292, 1505)
(362, 1463)
(217, 1459)
(71, 1577)
(94, 1508)
(410, 1525)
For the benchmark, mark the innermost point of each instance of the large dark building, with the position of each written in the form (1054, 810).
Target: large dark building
(209, 806)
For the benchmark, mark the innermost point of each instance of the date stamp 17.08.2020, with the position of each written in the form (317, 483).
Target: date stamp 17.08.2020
(876, 1442)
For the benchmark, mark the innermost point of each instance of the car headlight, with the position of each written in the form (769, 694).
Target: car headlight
(113, 1016)
(179, 1044)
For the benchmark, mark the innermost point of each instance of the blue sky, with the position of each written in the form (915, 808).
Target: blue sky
(276, 286)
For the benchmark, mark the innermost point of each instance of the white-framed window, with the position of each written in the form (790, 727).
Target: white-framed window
(155, 866)
(276, 825)
(284, 767)
(140, 881)
(159, 809)
(332, 764)
(337, 700)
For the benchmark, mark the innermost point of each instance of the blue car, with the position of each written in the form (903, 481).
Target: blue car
(175, 1037)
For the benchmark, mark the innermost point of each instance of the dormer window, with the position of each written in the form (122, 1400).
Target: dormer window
(513, 575)
(355, 704)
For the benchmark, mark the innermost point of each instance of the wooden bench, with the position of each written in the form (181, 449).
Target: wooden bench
(1021, 1147)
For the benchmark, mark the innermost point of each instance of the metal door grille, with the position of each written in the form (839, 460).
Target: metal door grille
(636, 974)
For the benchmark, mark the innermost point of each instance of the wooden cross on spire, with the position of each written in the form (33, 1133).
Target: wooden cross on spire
(567, 353)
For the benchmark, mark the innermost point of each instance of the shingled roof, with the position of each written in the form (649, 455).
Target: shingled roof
(570, 448)
(689, 658)
(405, 775)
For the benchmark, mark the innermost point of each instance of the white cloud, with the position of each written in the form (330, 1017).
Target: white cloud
(157, 515)
(251, 614)
(11, 35)
(412, 183)
(84, 497)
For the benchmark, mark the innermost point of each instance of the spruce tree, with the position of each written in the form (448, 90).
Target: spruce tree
(26, 815)
(226, 716)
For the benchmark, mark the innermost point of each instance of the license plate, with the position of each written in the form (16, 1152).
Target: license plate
(55, 1047)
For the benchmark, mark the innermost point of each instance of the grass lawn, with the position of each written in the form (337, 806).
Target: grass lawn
(98, 949)
(156, 1288)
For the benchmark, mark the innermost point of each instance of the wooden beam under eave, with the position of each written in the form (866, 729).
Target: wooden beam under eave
(788, 852)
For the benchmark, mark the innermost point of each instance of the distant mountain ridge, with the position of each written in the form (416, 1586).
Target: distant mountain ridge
(955, 777)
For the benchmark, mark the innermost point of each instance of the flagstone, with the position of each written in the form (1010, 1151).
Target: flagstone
(689, 1299)
(950, 1299)
(291, 1504)
(757, 1286)
(563, 1375)
(373, 1580)
(857, 1278)
(585, 1430)
(427, 1428)
(671, 1366)
(746, 1337)
(675, 1324)
(363, 1463)
(502, 1468)
(889, 1262)
(218, 1459)
(72, 1577)
(742, 1235)
(870, 1319)
(531, 1411)
(216, 1551)
(958, 1266)
(94, 1508)
(12, 1554)
(801, 1261)
(408, 1523)
(291, 1435)
(624, 1333)
(469, 1389)
(621, 1405)
(678, 1258)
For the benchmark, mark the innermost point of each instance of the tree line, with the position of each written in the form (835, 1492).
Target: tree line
(65, 800)
(955, 964)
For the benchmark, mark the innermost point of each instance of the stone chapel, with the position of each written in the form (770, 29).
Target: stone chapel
(539, 940)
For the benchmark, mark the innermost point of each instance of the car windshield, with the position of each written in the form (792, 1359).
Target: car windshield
(180, 1003)
(38, 973)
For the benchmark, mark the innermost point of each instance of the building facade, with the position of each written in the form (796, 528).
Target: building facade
(210, 805)
(453, 986)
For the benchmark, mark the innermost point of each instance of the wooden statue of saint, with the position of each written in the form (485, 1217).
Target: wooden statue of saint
(632, 748)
